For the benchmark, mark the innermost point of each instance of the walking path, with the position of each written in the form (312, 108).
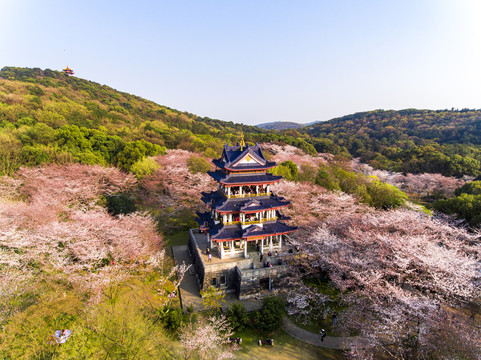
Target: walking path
(188, 289)
(330, 342)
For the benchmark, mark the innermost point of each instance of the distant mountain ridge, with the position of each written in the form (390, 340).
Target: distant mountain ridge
(284, 125)
(280, 125)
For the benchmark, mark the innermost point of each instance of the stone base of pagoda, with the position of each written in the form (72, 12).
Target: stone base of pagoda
(246, 277)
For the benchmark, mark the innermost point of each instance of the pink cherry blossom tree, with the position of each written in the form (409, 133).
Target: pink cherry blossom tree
(208, 339)
(52, 218)
(413, 184)
(399, 272)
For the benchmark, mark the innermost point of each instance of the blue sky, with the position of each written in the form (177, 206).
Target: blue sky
(259, 61)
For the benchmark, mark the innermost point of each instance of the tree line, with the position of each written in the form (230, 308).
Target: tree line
(47, 117)
(435, 141)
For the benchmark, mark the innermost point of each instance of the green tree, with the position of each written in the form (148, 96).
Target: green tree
(287, 169)
(473, 188)
(307, 173)
(384, 196)
(135, 151)
(33, 156)
(120, 204)
(269, 317)
(144, 167)
(326, 180)
(212, 299)
(465, 206)
(198, 164)
(237, 316)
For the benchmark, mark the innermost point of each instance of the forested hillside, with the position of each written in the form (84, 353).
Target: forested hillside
(46, 116)
(441, 141)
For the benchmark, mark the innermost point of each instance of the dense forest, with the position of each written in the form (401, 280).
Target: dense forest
(48, 117)
(415, 141)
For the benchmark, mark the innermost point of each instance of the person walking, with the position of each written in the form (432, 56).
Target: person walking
(323, 334)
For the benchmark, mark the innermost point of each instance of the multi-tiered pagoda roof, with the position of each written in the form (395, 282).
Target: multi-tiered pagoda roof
(243, 207)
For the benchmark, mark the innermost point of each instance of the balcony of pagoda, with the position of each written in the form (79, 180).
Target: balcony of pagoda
(247, 219)
(245, 191)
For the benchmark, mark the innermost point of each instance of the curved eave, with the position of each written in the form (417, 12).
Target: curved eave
(224, 240)
(260, 210)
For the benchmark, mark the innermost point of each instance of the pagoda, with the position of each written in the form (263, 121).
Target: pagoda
(67, 71)
(244, 215)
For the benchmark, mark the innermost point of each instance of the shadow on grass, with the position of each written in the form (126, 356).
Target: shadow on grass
(285, 348)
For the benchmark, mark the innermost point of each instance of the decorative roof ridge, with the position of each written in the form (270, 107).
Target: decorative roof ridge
(250, 203)
(251, 229)
(248, 151)
(227, 155)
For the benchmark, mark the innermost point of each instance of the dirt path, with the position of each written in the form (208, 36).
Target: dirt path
(330, 342)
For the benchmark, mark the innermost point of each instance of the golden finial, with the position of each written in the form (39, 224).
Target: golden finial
(242, 142)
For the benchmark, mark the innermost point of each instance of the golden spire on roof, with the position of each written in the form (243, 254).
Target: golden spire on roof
(242, 142)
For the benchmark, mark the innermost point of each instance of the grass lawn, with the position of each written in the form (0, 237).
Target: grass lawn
(285, 348)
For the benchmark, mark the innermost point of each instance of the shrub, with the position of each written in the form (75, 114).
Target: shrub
(237, 316)
(269, 318)
(172, 318)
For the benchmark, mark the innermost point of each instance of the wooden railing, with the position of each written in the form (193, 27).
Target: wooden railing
(251, 222)
(246, 195)
(232, 222)
(258, 221)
